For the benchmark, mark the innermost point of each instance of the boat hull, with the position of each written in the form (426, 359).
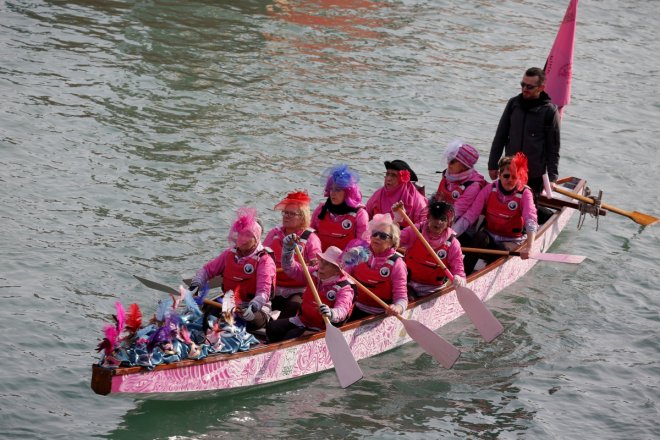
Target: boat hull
(309, 354)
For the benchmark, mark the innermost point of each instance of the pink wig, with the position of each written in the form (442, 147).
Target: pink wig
(340, 176)
(245, 224)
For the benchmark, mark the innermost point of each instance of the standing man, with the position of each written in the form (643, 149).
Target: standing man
(530, 124)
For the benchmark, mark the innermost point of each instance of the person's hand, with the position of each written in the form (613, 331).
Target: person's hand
(398, 206)
(326, 311)
(289, 242)
(247, 314)
(459, 281)
(524, 253)
(394, 309)
(493, 174)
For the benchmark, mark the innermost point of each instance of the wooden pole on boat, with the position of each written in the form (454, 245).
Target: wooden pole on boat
(545, 256)
(638, 217)
(432, 343)
(482, 318)
(347, 369)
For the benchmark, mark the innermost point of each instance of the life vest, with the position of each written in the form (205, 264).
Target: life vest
(309, 313)
(445, 195)
(337, 231)
(422, 267)
(504, 218)
(376, 279)
(283, 280)
(243, 274)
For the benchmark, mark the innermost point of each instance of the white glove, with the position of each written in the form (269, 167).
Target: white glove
(326, 310)
(289, 242)
(459, 281)
(248, 314)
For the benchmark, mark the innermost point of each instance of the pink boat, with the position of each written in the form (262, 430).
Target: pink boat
(309, 354)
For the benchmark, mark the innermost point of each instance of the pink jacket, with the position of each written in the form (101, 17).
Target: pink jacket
(527, 205)
(265, 273)
(415, 204)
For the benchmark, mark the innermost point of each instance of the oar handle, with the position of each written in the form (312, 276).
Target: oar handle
(490, 251)
(426, 244)
(375, 297)
(584, 199)
(310, 281)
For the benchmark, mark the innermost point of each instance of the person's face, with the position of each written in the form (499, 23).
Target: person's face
(535, 91)
(455, 167)
(381, 239)
(507, 180)
(245, 242)
(436, 226)
(392, 179)
(337, 195)
(327, 269)
(292, 217)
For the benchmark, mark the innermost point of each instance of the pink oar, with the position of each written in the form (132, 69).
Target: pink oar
(557, 258)
(482, 318)
(432, 343)
(347, 369)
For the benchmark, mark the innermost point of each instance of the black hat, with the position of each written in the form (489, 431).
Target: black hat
(399, 165)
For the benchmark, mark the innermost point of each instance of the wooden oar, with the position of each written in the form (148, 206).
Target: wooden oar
(482, 318)
(640, 218)
(171, 290)
(545, 256)
(347, 369)
(432, 343)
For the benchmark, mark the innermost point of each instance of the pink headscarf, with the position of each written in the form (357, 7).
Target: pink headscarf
(245, 227)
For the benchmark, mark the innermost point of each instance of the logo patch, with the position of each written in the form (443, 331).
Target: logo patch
(442, 254)
(347, 224)
(331, 295)
(384, 271)
(512, 205)
(455, 194)
(248, 269)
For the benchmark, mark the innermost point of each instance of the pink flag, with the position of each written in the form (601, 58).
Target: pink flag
(559, 66)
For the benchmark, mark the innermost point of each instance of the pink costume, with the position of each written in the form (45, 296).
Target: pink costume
(525, 199)
(415, 203)
(343, 302)
(339, 229)
(459, 195)
(397, 275)
(453, 261)
(265, 272)
(312, 246)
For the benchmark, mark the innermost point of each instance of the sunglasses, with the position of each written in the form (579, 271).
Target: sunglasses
(528, 86)
(381, 235)
(290, 214)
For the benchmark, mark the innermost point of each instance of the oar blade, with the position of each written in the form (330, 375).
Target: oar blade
(482, 318)
(558, 258)
(432, 343)
(347, 369)
(643, 219)
(157, 286)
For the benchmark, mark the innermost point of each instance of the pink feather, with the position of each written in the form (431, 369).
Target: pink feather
(121, 317)
(185, 334)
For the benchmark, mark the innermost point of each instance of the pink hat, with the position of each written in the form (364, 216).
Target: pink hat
(246, 225)
(332, 255)
(300, 198)
(462, 152)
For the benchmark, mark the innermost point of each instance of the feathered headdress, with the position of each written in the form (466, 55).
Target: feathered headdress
(246, 223)
(300, 198)
(134, 318)
(518, 167)
(342, 177)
